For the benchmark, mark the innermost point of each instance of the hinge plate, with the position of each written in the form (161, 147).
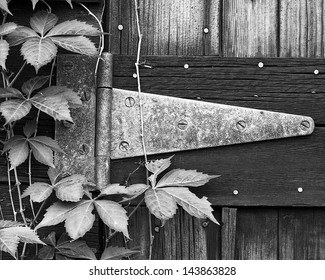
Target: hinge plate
(173, 124)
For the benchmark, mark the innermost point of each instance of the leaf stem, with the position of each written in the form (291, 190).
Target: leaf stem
(21, 209)
(17, 75)
(30, 180)
(48, 6)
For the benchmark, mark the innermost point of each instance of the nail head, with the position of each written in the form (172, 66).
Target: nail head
(316, 71)
(135, 75)
(206, 30)
(235, 192)
(261, 64)
(120, 27)
(186, 66)
(157, 229)
(300, 190)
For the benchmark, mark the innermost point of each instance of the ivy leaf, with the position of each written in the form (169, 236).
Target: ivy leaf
(71, 96)
(76, 44)
(56, 106)
(117, 253)
(200, 208)
(46, 253)
(43, 21)
(4, 52)
(71, 188)
(29, 128)
(113, 215)
(20, 35)
(18, 150)
(76, 249)
(39, 51)
(38, 192)
(15, 109)
(4, 6)
(161, 204)
(25, 234)
(134, 191)
(80, 219)
(42, 153)
(34, 2)
(56, 214)
(47, 141)
(7, 28)
(53, 174)
(74, 27)
(33, 84)
(182, 178)
(113, 189)
(7, 223)
(10, 92)
(156, 167)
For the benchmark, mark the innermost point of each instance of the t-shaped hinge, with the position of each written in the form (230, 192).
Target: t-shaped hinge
(174, 124)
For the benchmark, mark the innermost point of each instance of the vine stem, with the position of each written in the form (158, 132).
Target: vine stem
(137, 64)
(18, 73)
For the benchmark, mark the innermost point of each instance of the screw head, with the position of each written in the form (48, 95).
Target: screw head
(241, 125)
(129, 101)
(157, 229)
(68, 66)
(205, 224)
(305, 125)
(124, 146)
(182, 124)
(261, 64)
(134, 75)
(316, 71)
(235, 192)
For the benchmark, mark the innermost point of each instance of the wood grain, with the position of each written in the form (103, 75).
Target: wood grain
(228, 233)
(168, 27)
(302, 28)
(301, 234)
(250, 28)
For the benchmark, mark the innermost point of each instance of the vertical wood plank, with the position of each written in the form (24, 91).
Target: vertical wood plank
(257, 234)
(169, 27)
(302, 28)
(302, 234)
(212, 18)
(228, 233)
(250, 28)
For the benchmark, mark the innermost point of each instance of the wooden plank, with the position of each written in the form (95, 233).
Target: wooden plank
(168, 27)
(302, 234)
(285, 85)
(228, 231)
(302, 28)
(250, 28)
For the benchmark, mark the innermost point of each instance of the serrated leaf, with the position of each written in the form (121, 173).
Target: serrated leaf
(29, 128)
(70, 188)
(156, 167)
(184, 178)
(80, 219)
(74, 27)
(197, 207)
(70, 3)
(46, 253)
(18, 153)
(20, 35)
(117, 253)
(7, 28)
(10, 92)
(42, 153)
(47, 141)
(113, 189)
(13, 141)
(53, 174)
(43, 21)
(4, 52)
(160, 204)
(4, 6)
(8, 242)
(25, 234)
(39, 51)
(77, 249)
(15, 109)
(33, 84)
(71, 96)
(55, 106)
(76, 44)
(6, 224)
(34, 2)
(113, 215)
(134, 191)
(50, 239)
(56, 214)
(38, 191)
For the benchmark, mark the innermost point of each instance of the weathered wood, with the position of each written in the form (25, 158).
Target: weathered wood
(168, 27)
(302, 234)
(250, 28)
(228, 233)
(285, 85)
(256, 235)
(302, 28)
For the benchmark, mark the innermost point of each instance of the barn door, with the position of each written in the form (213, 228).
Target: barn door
(256, 54)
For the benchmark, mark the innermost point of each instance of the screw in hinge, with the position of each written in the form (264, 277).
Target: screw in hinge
(68, 66)
(84, 149)
(129, 102)
(241, 125)
(182, 124)
(157, 229)
(124, 146)
(205, 223)
(305, 125)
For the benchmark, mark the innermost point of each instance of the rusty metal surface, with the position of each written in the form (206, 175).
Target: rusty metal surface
(78, 139)
(103, 121)
(174, 124)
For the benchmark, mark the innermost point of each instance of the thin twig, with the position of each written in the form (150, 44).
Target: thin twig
(30, 180)
(21, 209)
(48, 6)
(17, 75)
